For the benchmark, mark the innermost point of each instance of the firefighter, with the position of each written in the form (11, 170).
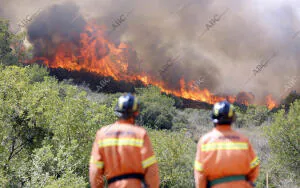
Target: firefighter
(122, 154)
(225, 158)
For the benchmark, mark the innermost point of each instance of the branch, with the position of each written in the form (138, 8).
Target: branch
(12, 149)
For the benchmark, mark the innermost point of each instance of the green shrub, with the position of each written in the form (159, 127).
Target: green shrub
(283, 136)
(157, 111)
(253, 116)
(175, 154)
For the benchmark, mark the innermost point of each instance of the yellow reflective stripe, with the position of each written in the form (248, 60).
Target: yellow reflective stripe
(225, 146)
(231, 108)
(99, 164)
(120, 142)
(135, 104)
(216, 111)
(148, 162)
(198, 166)
(254, 162)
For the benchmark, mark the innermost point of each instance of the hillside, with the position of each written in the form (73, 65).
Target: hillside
(48, 118)
(48, 128)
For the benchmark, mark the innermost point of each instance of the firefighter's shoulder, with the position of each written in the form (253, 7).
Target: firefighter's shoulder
(241, 136)
(230, 135)
(206, 137)
(128, 129)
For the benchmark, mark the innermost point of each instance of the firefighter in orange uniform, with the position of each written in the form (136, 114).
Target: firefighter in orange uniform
(225, 158)
(122, 155)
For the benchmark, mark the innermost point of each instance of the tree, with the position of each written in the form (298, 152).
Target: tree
(6, 38)
(39, 114)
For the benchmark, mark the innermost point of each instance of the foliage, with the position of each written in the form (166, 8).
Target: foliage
(157, 110)
(37, 115)
(48, 127)
(55, 167)
(253, 116)
(68, 180)
(197, 122)
(175, 153)
(283, 136)
(7, 55)
(292, 97)
(5, 38)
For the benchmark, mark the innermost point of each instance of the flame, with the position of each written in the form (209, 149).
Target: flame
(98, 55)
(270, 102)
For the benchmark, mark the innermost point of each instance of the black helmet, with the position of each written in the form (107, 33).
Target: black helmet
(223, 113)
(126, 106)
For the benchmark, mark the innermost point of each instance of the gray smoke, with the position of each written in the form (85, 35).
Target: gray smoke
(246, 35)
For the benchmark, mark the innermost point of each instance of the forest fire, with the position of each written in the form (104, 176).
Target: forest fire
(96, 54)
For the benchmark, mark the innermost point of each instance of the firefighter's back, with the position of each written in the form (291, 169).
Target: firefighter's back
(226, 153)
(225, 158)
(122, 152)
(120, 145)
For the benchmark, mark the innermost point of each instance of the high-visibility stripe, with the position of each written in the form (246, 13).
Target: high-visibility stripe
(198, 166)
(231, 108)
(225, 146)
(149, 161)
(99, 164)
(254, 162)
(216, 111)
(135, 104)
(120, 142)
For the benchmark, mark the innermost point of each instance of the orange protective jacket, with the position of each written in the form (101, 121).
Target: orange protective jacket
(221, 153)
(121, 149)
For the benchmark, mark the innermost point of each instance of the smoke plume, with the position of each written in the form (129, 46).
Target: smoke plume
(217, 41)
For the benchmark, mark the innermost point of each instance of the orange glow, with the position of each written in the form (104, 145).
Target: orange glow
(270, 102)
(98, 55)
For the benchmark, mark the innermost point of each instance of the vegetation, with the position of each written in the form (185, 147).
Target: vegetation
(253, 116)
(175, 153)
(47, 128)
(284, 142)
(9, 56)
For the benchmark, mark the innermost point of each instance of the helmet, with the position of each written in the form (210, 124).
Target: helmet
(127, 105)
(223, 113)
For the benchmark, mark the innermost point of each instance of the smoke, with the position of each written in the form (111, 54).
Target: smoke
(55, 25)
(226, 54)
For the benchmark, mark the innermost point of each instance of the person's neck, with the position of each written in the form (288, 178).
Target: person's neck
(126, 121)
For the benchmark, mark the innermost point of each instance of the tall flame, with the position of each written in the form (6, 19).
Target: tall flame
(270, 102)
(98, 55)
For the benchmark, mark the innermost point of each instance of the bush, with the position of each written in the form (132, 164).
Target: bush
(175, 154)
(54, 167)
(253, 116)
(284, 142)
(157, 111)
